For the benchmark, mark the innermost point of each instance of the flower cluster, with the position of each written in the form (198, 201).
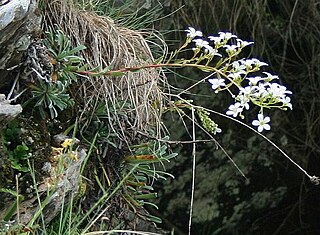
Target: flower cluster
(241, 77)
(217, 43)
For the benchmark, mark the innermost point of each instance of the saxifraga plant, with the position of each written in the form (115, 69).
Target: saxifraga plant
(146, 160)
(53, 95)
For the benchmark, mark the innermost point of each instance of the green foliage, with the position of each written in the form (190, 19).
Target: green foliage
(7, 216)
(139, 169)
(104, 121)
(18, 157)
(12, 132)
(132, 14)
(64, 57)
(16, 150)
(146, 159)
(66, 221)
(53, 95)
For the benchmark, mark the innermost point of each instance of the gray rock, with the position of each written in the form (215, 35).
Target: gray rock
(19, 22)
(7, 111)
(14, 10)
(62, 184)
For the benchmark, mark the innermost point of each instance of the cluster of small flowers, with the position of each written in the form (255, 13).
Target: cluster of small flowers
(258, 90)
(218, 42)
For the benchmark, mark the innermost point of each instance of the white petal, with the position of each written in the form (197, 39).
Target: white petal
(255, 123)
(267, 119)
(229, 112)
(267, 127)
(260, 117)
(260, 128)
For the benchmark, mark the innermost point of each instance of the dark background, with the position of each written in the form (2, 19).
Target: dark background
(277, 198)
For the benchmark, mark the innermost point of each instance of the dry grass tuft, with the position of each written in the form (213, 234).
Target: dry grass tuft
(131, 103)
(109, 45)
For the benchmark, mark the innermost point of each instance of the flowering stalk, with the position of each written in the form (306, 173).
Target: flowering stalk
(218, 55)
(122, 71)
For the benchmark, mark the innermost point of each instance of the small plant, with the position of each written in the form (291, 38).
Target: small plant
(53, 95)
(64, 57)
(147, 159)
(18, 157)
(237, 75)
(18, 152)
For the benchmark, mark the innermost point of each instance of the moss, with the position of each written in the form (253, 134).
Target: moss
(22, 140)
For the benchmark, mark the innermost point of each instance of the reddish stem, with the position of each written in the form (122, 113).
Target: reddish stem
(128, 69)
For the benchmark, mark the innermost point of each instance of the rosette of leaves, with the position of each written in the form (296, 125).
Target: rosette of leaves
(53, 96)
(64, 57)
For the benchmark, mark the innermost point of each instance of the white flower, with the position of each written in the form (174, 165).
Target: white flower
(217, 130)
(227, 35)
(216, 40)
(211, 52)
(258, 63)
(209, 49)
(247, 63)
(270, 77)
(244, 101)
(254, 80)
(262, 123)
(235, 109)
(238, 66)
(223, 37)
(236, 75)
(248, 90)
(192, 33)
(277, 90)
(231, 49)
(253, 62)
(200, 43)
(261, 90)
(216, 82)
(287, 102)
(241, 43)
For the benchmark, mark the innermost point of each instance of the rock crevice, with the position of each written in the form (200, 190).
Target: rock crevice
(19, 23)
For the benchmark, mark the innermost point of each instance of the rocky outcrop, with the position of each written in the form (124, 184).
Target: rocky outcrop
(7, 111)
(63, 181)
(19, 23)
